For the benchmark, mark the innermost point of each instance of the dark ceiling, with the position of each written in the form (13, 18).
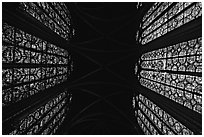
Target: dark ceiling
(104, 53)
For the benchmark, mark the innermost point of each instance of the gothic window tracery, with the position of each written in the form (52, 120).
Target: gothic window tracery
(53, 15)
(30, 65)
(174, 72)
(152, 119)
(50, 115)
(167, 16)
(165, 71)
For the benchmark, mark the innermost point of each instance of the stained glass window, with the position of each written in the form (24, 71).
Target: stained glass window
(154, 120)
(53, 15)
(175, 72)
(46, 119)
(167, 16)
(136, 68)
(150, 11)
(137, 36)
(134, 103)
(30, 65)
(138, 5)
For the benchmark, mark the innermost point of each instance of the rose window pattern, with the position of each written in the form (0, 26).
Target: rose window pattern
(164, 17)
(46, 119)
(30, 65)
(53, 15)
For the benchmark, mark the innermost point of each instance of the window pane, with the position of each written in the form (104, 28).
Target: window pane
(167, 16)
(46, 119)
(164, 122)
(54, 15)
(30, 65)
(160, 73)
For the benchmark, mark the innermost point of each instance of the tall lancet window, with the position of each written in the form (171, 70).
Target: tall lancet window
(154, 120)
(30, 65)
(173, 72)
(34, 70)
(46, 119)
(54, 15)
(164, 17)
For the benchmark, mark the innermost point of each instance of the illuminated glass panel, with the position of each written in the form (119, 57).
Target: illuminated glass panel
(151, 10)
(46, 119)
(146, 126)
(137, 36)
(30, 65)
(185, 56)
(160, 73)
(164, 122)
(54, 15)
(138, 5)
(134, 103)
(167, 17)
(136, 68)
(158, 8)
(143, 127)
(134, 106)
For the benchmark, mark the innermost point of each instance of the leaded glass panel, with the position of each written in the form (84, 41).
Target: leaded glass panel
(53, 15)
(168, 71)
(164, 122)
(30, 64)
(146, 126)
(46, 119)
(167, 16)
(151, 10)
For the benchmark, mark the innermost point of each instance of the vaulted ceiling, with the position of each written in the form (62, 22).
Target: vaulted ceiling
(104, 54)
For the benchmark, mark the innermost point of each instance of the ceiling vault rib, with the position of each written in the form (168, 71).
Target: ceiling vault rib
(87, 75)
(119, 76)
(122, 43)
(103, 51)
(90, 16)
(87, 116)
(121, 112)
(89, 92)
(89, 58)
(86, 42)
(123, 25)
(101, 98)
(98, 63)
(102, 19)
(89, 24)
(91, 115)
(120, 59)
(98, 82)
(95, 8)
(82, 121)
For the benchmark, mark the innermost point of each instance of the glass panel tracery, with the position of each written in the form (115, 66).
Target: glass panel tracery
(46, 119)
(174, 72)
(54, 15)
(165, 123)
(158, 21)
(146, 126)
(30, 65)
(160, 73)
(151, 10)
